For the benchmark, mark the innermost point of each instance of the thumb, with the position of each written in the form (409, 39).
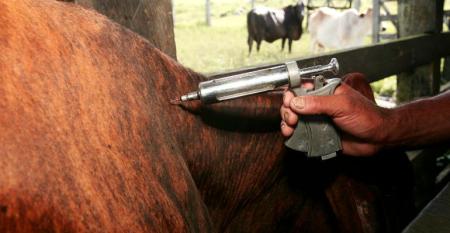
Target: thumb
(330, 105)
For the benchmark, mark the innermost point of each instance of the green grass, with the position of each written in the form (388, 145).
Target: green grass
(223, 45)
(385, 87)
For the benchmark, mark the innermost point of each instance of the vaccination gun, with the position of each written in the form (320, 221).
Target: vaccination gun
(314, 135)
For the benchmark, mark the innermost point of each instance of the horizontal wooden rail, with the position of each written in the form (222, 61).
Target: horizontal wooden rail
(447, 13)
(392, 18)
(379, 60)
(388, 36)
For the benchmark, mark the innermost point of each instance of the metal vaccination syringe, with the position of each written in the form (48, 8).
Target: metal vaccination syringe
(258, 81)
(314, 135)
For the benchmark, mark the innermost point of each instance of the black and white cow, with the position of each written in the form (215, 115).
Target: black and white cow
(272, 24)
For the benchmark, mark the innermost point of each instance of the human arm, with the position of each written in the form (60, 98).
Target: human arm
(420, 123)
(366, 128)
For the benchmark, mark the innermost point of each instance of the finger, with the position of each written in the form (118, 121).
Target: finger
(342, 89)
(287, 97)
(332, 105)
(358, 82)
(308, 85)
(288, 116)
(286, 130)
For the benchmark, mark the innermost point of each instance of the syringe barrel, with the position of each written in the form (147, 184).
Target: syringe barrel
(245, 84)
(258, 81)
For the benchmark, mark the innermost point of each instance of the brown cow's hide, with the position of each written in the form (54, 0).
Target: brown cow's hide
(83, 145)
(89, 143)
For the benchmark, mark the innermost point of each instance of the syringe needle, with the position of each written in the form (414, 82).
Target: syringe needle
(175, 101)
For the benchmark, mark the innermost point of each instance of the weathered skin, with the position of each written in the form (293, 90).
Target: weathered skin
(89, 143)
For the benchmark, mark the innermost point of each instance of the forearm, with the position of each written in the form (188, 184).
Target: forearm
(419, 123)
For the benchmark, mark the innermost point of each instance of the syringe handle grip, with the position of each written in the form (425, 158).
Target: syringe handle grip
(316, 135)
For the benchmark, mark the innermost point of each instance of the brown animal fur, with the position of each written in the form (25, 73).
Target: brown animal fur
(89, 143)
(82, 146)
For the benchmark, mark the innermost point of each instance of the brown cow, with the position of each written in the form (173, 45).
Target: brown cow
(82, 147)
(89, 143)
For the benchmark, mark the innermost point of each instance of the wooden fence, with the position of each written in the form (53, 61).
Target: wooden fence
(379, 60)
(377, 5)
(388, 16)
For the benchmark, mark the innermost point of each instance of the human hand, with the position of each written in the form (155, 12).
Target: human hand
(362, 123)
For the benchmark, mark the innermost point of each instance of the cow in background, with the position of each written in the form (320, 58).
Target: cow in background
(272, 24)
(337, 30)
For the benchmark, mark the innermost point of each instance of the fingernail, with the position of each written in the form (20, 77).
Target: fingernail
(298, 102)
(286, 116)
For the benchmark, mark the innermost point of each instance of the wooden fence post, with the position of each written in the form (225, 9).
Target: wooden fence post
(375, 21)
(357, 4)
(445, 78)
(151, 19)
(208, 12)
(446, 71)
(415, 17)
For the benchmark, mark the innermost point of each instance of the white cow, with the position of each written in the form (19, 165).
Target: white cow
(336, 30)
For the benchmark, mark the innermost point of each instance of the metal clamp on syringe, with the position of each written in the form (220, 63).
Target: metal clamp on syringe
(314, 135)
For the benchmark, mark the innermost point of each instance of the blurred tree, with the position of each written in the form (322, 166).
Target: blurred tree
(150, 18)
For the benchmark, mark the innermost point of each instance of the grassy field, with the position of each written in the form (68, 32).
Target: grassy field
(223, 45)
